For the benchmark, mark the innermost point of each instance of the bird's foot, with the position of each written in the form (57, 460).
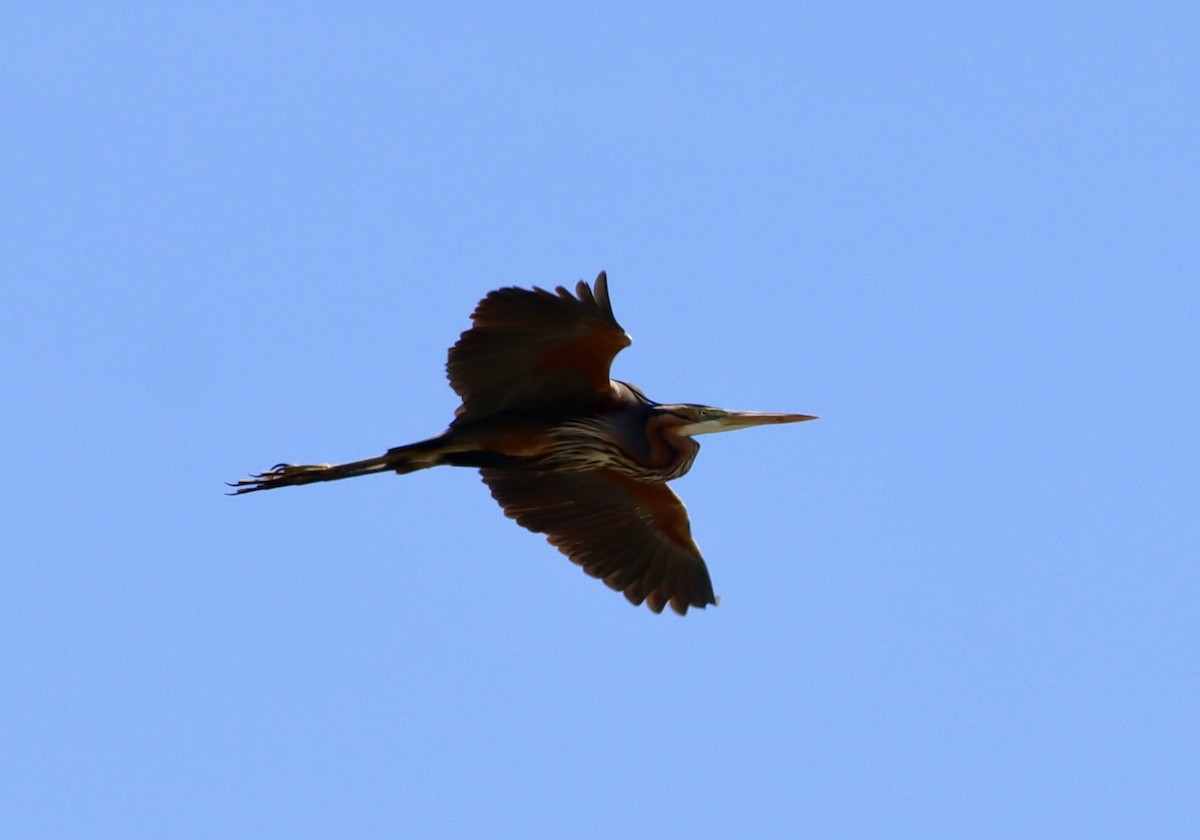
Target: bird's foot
(280, 475)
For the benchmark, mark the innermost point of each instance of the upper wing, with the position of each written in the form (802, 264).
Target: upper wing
(536, 349)
(633, 535)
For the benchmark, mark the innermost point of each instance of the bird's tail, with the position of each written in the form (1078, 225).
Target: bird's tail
(402, 459)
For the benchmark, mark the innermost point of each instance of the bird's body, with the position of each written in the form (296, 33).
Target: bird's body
(566, 450)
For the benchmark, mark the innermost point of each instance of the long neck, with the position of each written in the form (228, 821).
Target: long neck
(637, 440)
(671, 452)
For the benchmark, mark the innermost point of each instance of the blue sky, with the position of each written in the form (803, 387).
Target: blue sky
(963, 603)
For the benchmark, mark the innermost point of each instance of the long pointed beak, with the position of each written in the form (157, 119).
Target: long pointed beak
(746, 419)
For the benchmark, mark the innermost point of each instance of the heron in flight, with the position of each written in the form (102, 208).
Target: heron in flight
(565, 450)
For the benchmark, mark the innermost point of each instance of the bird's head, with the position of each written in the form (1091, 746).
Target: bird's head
(704, 419)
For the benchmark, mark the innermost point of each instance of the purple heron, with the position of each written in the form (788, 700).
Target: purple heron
(566, 451)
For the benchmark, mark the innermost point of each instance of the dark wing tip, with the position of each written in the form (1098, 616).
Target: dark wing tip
(601, 294)
(655, 601)
(680, 603)
(594, 295)
(582, 291)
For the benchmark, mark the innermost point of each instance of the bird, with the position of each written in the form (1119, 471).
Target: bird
(565, 450)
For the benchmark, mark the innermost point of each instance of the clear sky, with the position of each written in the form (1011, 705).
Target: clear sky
(965, 603)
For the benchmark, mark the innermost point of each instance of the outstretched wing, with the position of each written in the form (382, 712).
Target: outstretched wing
(534, 349)
(633, 535)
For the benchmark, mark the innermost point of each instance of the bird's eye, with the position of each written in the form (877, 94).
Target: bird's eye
(705, 414)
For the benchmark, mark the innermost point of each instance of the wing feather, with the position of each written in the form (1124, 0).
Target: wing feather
(613, 527)
(531, 349)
